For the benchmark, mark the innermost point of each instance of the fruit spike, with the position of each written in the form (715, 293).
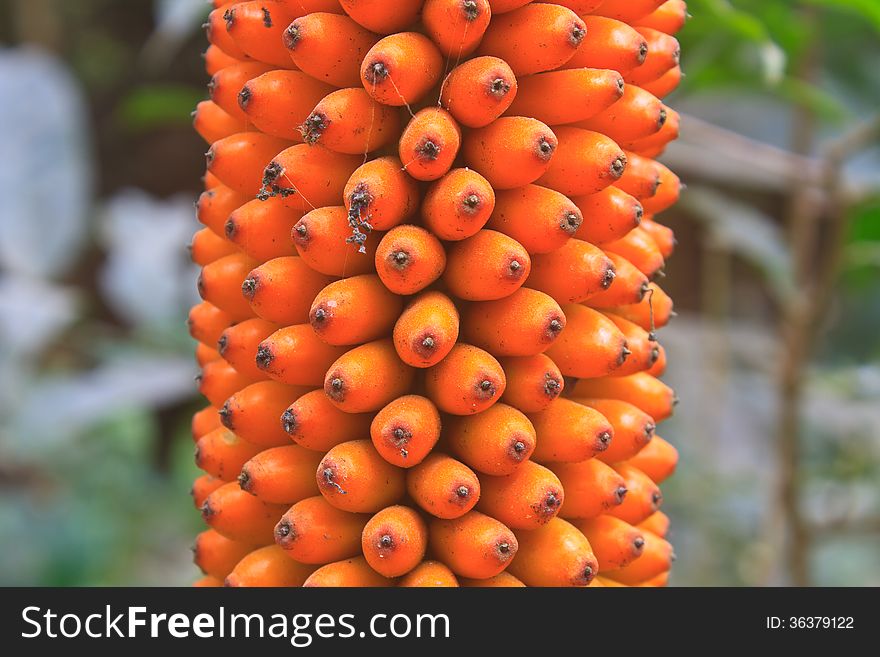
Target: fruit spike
(428, 339)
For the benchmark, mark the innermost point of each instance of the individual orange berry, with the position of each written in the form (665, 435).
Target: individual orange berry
(406, 430)
(569, 431)
(401, 68)
(367, 377)
(353, 477)
(315, 532)
(394, 540)
(469, 380)
(443, 486)
(473, 545)
(315, 422)
(409, 258)
(524, 323)
(458, 205)
(525, 499)
(426, 330)
(495, 442)
(478, 91)
(533, 382)
(354, 310)
(490, 265)
(591, 488)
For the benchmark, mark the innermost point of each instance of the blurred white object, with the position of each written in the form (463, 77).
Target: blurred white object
(148, 278)
(45, 174)
(175, 21)
(32, 313)
(131, 380)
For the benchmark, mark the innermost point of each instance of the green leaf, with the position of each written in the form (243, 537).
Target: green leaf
(153, 106)
(867, 9)
(813, 97)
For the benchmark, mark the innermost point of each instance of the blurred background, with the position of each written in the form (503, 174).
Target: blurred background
(775, 353)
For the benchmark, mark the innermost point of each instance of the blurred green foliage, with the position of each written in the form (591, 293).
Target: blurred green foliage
(758, 46)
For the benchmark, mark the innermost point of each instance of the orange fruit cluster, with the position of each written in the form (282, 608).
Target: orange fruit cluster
(427, 335)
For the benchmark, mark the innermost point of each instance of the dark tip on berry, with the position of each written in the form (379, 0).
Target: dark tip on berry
(313, 127)
(328, 475)
(545, 149)
(200, 285)
(638, 542)
(288, 421)
(463, 491)
(319, 316)
(399, 258)
(198, 378)
(244, 97)
(624, 353)
(429, 343)
(515, 267)
(555, 326)
(504, 548)
(639, 212)
(470, 10)
(577, 34)
(209, 156)
(386, 541)
(499, 87)
(588, 574)
(264, 357)
(223, 344)
(428, 150)
(301, 232)
(620, 494)
(604, 439)
(249, 287)
(229, 228)
(655, 355)
(621, 85)
(608, 278)
(676, 56)
(551, 501)
(675, 400)
(552, 387)
(643, 290)
(519, 447)
(335, 388)
(226, 414)
(656, 498)
(618, 166)
(229, 17)
(244, 481)
(486, 386)
(376, 72)
(571, 221)
(291, 36)
(267, 18)
(283, 529)
(661, 119)
(471, 202)
(643, 51)
(271, 173)
(650, 428)
(207, 510)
